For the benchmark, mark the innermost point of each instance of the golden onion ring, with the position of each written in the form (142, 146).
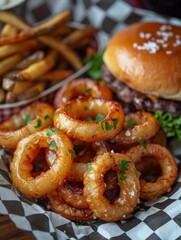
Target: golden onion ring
(30, 119)
(137, 126)
(94, 186)
(27, 149)
(167, 164)
(81, 87)
(58, 205)
(73, 194)
(72, 118)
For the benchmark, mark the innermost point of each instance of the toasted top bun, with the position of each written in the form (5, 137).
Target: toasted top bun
(147, 57)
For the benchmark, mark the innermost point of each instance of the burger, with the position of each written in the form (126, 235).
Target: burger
(142, 66)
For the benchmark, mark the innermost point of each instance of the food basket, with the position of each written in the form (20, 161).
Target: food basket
(157, 219)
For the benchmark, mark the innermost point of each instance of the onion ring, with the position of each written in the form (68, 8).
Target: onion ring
(81, 87)
(73, 194)
(167, 164)
(26, 151)
(58, 205)
(71, 118)
(137, 126)
(31, 119)
(129, 186)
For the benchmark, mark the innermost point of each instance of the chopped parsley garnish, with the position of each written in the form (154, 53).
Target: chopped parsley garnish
(99, 117)
(101, 126)
(72, 153)
(46, 117)
(86, 109)
(123, 167)
(124, 164)
(51, 131)
(108, 126)
(38, 123)
(27, 120)
(115, 122)
(87, 91)
(88, 168)
(57, 112)
(142, 142)
(135, 172)
(123, 176)
(131, 122)
(53, 145)
(70, 108)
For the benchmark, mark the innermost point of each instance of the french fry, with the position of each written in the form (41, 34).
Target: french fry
(67, 52)
(20, 87)
(62, 31)
(56, 44)
(32, 32)
(55, 75)
(9, 30)
(10, 97)
(34, 57)
(2, 95)
(35, 70)
(9, 63)
(10, 49)
(77, 37)
(32, 92)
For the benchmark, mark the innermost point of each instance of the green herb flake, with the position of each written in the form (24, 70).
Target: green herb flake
(87, 91)
(51, 131)
(53, 145)
(57, 112)
(135, 172)
(123, 176)
(108, 126)
(115, 122)
(27, 120)
(131, 122)
(142, 143)
(38, 123)
(101, 126)
(86, 109)
(70, 108)
(88, 168)
(99, 117)
(72, 153)
(124, 164)
(46, 117)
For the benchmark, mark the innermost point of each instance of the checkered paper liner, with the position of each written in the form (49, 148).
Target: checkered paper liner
(158, 219)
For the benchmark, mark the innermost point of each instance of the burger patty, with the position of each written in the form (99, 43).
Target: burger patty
(138, 100)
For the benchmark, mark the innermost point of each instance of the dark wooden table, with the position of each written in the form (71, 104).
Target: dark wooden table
(8, 230)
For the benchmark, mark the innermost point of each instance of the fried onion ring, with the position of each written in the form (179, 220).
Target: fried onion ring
(72, 193)
(137, 126)
(167, 164)
(81, 87)
(58, 205)
(30, 119)
(73, 118)
(94, 186)
(27, 149)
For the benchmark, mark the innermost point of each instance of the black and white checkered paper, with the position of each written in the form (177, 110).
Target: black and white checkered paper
(155, 220)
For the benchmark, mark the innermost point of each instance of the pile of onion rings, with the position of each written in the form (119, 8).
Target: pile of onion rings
(89, 160)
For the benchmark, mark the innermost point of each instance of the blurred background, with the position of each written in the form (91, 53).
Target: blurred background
(170, 8)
